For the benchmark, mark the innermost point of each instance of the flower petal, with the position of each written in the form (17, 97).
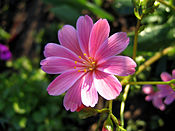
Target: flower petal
(149, 97)
(118, 65)
(89, 94)
(52, 49)
(72, 99)
(173, 74)
(148, 89)
(107, 85)
(170, 98)
(165, 76)
(68, 38)
(157, 102)
(63, 82)
(114, 45)
(100, 32)
(57, 65)
(84, 26)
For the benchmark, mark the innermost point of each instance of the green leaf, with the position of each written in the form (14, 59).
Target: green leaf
(3, 34)
(66, 13)
(98, 2)
(99, 11)
(136, 13)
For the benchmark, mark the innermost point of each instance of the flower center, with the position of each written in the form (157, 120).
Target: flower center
(87, 65)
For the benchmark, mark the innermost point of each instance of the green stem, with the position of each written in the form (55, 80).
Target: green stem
(119, 128)
(170, 83)
(150, 83)
(136, 38)
(167, 4)
(104, 110)
(110, 106)
(122, 107)
(114, 119)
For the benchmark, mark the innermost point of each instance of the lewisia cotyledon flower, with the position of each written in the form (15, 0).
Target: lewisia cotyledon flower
(164, 92)
(153, 96)
(5, 53)
(87, 63)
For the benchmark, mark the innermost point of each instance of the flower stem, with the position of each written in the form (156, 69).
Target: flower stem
(110, 106)
(167, 4)
(104, 110)
(112, 116)
(136, 38)
(150, 83)
(122, 107)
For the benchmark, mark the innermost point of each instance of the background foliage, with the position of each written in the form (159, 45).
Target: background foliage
(26, 27)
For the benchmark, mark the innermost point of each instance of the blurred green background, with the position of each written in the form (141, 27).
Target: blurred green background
(26, 26)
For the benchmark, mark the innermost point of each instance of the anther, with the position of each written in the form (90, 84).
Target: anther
(90, 69)
(75, 67)
(85, 54)
(75, 62)
(85, 70)
(93, 62)
(79, 57)
(78, 70)
(90, 57)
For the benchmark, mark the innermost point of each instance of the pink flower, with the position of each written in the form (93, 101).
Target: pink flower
(5, 53)
(153, 96)
(87, 63)
(165, 90)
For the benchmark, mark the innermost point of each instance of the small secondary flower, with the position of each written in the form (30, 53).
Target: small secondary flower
(5, 53)
(87, 63)
(153, 96)
(164, 92)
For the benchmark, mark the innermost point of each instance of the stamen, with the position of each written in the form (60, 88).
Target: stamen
(84, 62)
(75, 62)
(85, 54)
(90, 57)
(90, 69)
(85, 70)
(93, 62)
(78, 70)
(79, 57)
(75, 67)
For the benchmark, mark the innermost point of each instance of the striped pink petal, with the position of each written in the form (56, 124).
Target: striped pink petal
(107, 85)
(52, 49)
(165, 76)
(57, 65)
(72, 99)
(117, 65)
(170, 98)
(68, 38)
(114, 45)
(173, 74)
(158, 103)
(63, 82)
(89, 94)
(84, 26)
(100, 32)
